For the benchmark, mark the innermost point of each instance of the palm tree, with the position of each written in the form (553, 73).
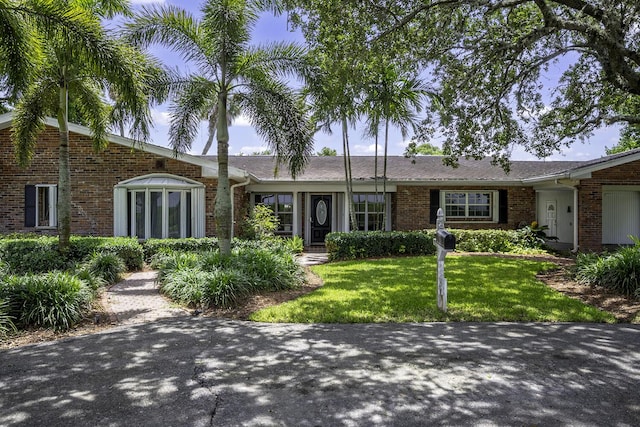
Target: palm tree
(211, 114)
(229, 68)
(81, 73)
(393, 98)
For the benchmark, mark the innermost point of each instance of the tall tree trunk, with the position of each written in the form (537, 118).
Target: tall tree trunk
(64, 173)
(375, 179)
(384, 174)
(213, 122)
(347, 172)
(223, 195)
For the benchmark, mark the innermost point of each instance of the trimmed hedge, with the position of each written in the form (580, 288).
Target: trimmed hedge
(361, 244)
(154, 246)
(40, 255)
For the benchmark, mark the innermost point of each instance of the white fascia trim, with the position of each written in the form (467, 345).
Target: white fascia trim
(319, 188)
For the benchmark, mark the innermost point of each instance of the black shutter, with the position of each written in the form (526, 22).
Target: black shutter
(30, 205)
(503, 207)
(434, 204)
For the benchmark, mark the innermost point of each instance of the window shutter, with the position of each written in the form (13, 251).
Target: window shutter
(503, 207)
(30, 205)
(120, 214)
(434, 205)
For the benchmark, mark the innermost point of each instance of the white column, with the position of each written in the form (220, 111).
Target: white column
(296, 214)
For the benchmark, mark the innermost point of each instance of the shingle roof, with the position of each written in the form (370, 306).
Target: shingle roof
(400, 169)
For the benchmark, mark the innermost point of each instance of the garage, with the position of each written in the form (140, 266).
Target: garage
(620, 216)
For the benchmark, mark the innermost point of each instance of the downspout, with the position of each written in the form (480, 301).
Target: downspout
(233, 207)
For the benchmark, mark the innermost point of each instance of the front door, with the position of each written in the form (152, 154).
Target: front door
(320, 218)
(552, 218)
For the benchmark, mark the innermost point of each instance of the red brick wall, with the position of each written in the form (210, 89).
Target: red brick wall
(93, 176)
(412, 207)
(590, 201)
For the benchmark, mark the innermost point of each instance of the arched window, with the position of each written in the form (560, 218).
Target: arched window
(159, 206)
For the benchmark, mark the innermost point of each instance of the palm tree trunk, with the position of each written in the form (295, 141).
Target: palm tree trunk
(64, 173)
(213, 122)
(384, 174)
(348, 176)
(223, 195)
(375, 180)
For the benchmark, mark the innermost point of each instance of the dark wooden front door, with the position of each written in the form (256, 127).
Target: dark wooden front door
(320, 217)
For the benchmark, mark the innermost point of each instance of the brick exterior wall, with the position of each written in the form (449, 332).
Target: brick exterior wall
(411, 210)
(590, 201)
(93, 177)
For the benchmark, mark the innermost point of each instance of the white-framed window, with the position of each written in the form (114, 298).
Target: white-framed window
(46, 206)
(471, 205)
(159, 206)
(282, 206)
(369, 209)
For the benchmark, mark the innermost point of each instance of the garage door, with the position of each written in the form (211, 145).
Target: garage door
(620, 216)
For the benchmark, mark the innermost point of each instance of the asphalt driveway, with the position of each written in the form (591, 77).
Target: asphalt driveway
(200, 372)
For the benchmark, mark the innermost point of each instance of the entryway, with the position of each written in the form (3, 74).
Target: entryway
(320, 217)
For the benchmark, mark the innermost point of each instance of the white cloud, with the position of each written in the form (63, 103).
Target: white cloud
(247, 150)
(160, 118)
(241, 121)
(366, 150)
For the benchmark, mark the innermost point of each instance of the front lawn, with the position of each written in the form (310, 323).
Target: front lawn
(480, 288)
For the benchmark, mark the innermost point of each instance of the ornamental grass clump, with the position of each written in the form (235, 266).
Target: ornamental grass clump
(106, 266)
(618, 271)
(55, 300)
(209, 279)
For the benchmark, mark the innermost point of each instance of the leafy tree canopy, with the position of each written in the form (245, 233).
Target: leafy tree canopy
(424, 149)
(327, 152)
(535, 73)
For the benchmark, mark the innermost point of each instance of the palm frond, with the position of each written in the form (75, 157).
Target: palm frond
(88, 102)
(188, 110)
(172, 27)
(279, 58)
(29, 119)
(278, 116)
(227, 27)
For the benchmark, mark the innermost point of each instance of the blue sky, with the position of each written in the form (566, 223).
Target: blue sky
(243, 138)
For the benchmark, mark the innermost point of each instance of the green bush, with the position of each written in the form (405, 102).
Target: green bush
(40, 255)
(360, 244)
(6, 320)
(106, 266)
(57, 299)
(32, 255)
(486, 240)
(261, 223)
(210, 279)
(154, 246)
(295, 244)
(127, 248)
(618, 271)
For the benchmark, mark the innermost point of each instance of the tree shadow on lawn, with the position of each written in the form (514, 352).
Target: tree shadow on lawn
(203, 371)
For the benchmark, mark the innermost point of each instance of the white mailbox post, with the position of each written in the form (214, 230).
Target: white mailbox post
(445, 242)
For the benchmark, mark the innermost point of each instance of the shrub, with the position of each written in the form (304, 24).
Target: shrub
(154, 246)
(185, 286)
(261, 223)
(6, 320)
(210, 279)
(225, 286)
(39, 255)
(618, 271)
(57, 299)
(486, 240)
(105, 265)
(359, 244)
(295, 244)
(32, 255)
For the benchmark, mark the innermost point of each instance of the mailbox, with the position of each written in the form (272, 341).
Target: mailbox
(445, 240)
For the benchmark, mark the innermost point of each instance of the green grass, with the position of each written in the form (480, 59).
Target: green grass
(404, 290)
